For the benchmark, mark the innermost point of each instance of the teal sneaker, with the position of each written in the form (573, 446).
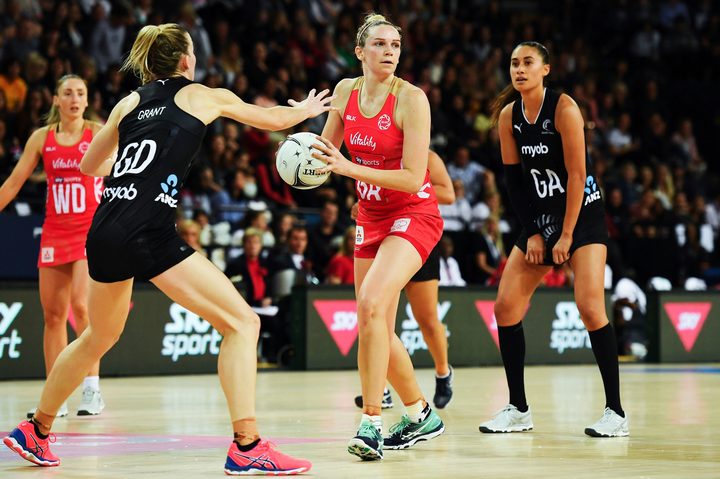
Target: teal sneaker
(406, 433)
(368, 443)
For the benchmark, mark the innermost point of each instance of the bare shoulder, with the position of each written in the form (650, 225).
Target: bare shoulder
(407, 92)
(566, 102)
(567, 113)
(343, 89)
(37, 139)
(505, 118)
(123, 107)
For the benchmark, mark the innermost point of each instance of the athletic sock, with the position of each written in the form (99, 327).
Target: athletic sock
(375, 421)
(37, 429)
(92, 382)
(418, 412)
(247, 447)
(512, 350)
(604, 347)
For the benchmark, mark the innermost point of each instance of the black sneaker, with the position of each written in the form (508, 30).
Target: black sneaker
(387, 401)
(443, 390)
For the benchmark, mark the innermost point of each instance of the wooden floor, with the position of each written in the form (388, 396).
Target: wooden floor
(177, 427)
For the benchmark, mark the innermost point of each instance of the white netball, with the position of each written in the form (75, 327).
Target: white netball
(296, 165)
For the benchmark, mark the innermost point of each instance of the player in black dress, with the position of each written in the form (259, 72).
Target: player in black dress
(156, 132)
(555, 195)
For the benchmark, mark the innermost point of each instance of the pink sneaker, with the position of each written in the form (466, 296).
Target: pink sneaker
(25, 442)
(263, 459)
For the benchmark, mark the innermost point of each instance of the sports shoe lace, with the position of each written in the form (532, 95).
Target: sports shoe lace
(397, 429)
(607, 416)
(367, 429)
(88, 395)
(506, 410)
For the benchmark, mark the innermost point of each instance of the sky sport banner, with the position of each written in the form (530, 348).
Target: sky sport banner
(688, 326)
(554, 331)
(162, 337)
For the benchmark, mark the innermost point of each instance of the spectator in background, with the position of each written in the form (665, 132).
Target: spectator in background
(107, 45)
(450, 274)
(230, 203)
(201, 40)
(341, 268)
(272, 187)
(252, 269)
(488, 250)
(281, 226)
(189, 231)
(620, 140)
(296, 258)
(12, 85)
(470, 172)
(322, 237)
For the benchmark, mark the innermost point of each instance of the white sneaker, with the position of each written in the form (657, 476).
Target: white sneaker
(62, 412)
(509, 419)
(91, 404)
(610, 425)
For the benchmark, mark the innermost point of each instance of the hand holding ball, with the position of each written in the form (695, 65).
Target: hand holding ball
(295, 163)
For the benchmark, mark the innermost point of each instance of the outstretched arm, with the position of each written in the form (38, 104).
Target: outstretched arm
(24, 168)
(221, 102)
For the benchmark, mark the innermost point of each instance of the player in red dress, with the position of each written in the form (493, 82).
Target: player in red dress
(385, 123)
(71, 202)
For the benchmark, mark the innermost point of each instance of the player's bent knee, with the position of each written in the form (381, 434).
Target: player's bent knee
(591, 315)
(101, 341)
(243, 324)
(505, 308)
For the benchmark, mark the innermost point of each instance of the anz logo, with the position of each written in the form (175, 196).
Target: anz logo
(169, 191)
(591, 190)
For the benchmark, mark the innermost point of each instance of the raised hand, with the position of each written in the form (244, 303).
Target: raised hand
(315, 104)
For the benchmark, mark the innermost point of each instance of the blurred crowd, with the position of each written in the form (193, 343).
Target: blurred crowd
(640, 71)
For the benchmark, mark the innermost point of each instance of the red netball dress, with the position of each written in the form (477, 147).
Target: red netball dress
(377, 142)
(72, 199)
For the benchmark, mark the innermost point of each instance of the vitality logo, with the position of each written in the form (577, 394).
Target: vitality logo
(688, 320)
(340, 318)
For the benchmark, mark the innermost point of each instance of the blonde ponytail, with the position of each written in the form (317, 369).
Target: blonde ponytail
(157, 51)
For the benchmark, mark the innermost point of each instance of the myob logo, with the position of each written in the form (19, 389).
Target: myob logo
(9, 341)
(688, 320)
(188, 335)
(411, 336)
(340, 319)
(531, 150)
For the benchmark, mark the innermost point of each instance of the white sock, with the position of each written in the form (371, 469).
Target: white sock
(417, 412)
(375, 420)
(443, 376)
(92, 382)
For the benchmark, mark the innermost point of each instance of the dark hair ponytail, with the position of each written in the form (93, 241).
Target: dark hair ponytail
(509, 94)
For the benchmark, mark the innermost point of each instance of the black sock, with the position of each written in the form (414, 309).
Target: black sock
(249, 446)
(604, 346)
(512, 350)
(37, 429)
